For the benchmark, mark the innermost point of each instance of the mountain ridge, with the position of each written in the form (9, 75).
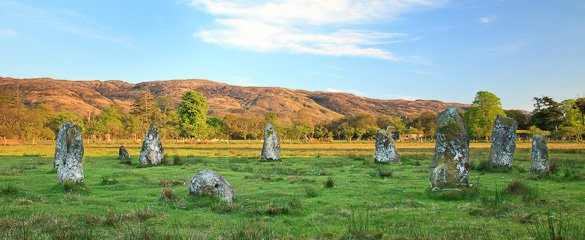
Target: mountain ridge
(91, 96)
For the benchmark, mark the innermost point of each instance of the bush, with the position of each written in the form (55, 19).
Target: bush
(311, 192)
(556, 228)
(177, 160)
(329, 183)
(9, 189)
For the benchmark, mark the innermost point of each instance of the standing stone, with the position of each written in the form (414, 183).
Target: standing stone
(385, 150)
(451, 162)
(123, 155)
(539, 162)
(207, 182)
(152, 151)
(271, 147)
(503, 142)
(69, 154)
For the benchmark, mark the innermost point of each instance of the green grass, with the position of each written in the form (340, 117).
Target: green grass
(326, 191)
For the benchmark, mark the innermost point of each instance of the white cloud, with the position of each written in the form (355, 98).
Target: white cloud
(486, 20)
(5, 32)
(333, 27)
(352, 91)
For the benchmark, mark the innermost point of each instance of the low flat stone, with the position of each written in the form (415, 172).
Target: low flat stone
(69, 154)
(208, 182)
(152, 151)
(385, 150)
(503, 142)
(271, 146)
(539, 163)
(450, 165)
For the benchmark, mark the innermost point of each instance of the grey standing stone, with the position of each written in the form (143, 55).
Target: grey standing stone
(152, 151)
(385, 150)
(209, 183)
(451, 162)
(271, 146)
(123, 155)
(503, 142)
(69, 154)
(539, 164)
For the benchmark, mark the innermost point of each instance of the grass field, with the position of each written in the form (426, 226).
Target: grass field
(317, 191)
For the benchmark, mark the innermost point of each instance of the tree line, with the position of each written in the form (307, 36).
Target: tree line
(190, 119)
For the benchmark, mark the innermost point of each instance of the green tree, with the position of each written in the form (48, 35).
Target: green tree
(146, 109)
(193, 114)
(480, 116)
(521, 117)
(580, 102)
(547, 114)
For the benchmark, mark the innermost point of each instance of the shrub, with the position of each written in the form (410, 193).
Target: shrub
(311, 192)
(109, 181)
(9, 189)
(556, 228)
(329, 183)
(177, 160)
(167, 194)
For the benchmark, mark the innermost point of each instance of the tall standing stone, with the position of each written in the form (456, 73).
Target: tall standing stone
(69, 154)
(152, 151)
(503, 142)
(451, 162)
(271, 146)
(539, 162)
(385, 150)
(209, 183)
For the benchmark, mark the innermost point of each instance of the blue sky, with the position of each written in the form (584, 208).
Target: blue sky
(389, 49)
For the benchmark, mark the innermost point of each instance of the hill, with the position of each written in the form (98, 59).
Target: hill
(91, 96)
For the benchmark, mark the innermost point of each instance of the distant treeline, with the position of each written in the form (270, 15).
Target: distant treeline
(18, 119)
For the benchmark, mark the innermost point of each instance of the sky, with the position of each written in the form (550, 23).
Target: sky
(388, 49)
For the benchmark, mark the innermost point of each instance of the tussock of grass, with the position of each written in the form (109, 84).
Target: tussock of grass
(329, 183)
(556, 227)
(9, 189)
(360, 227)
(382, 173)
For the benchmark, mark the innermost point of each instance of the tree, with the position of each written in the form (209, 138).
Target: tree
(547, 114)
(521, 117)
(193, 114)
(571, 126)
(427, 122)
(580, 102)
(480, 116)
(146, 109)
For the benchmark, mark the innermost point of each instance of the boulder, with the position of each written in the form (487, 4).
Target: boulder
(271, 147)
(152, 151)
(123, 155)
(451, 162)
(69, 154)
(539, 164)
(503, 142)
(209, 183)
(385, 150)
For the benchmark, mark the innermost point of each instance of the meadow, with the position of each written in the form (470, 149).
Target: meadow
(318, 191)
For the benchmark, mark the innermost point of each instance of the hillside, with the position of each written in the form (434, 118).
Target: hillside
(91, 96)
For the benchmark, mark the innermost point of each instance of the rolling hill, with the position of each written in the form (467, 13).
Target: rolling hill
(91, 96)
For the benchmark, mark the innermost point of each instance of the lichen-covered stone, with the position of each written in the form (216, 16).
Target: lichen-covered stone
(271, 146)
(451, 162)
(152, 151)
(539, 164)
(209, 183)
(385, 150)
(503, 142)
(123, 155)
(69, 154)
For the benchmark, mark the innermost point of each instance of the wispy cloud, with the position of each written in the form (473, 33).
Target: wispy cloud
(486, 20)
(332, 28)
(352, 91)
(60, 20)
(5, 32)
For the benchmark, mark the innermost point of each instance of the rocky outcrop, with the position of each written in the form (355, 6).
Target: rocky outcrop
(451, 162)
(69, 154)
(503, 142)
(271, 146)
(209, 183)
(152, 151)
(385, 150)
